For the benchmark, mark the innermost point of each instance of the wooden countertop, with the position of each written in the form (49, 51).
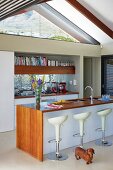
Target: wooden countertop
(78, 104)
(71, 104)
(52, 94)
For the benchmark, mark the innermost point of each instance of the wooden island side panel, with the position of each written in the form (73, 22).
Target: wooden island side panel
(29, 131)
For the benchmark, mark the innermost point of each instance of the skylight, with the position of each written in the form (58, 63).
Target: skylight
(53, 21)
(33, 24)
(71, 13)
(78, 19)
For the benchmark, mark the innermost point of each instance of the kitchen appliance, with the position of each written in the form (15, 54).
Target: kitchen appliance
(62, 87)
(54, 87)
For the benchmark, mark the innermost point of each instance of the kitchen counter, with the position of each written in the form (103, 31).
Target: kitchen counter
(70, 104)
(33, 129)
(52, 94)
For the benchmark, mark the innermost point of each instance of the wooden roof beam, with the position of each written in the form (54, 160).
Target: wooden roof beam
(91, 17)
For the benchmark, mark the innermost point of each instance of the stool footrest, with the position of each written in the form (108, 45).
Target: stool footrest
(77, 134)
(99, 129)
(53, 140)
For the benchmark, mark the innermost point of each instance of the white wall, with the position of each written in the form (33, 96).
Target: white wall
(35, 45)
(6, 91)
(107, 49)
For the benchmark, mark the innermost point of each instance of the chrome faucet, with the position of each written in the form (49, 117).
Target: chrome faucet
(91, 96)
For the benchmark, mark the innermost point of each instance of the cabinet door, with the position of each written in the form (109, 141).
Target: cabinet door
(48, 98)
(67, 97)
(60, 97)
(6, 91)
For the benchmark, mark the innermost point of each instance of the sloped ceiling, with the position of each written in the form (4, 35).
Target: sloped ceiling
(95, 15)
(62, 22)
(99, 12)
(102, 9)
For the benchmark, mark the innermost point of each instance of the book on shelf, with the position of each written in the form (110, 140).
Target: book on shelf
(40, 61)
(33, 61)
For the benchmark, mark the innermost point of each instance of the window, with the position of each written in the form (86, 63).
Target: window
(33, 24)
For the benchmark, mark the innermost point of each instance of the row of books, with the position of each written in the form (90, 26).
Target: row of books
(33, 61)
(40, 61)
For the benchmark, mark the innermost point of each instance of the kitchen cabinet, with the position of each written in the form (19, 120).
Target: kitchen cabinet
(68, 97)
(6, 91)
(34, 131)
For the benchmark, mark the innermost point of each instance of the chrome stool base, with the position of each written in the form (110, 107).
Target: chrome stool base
(99, 142)
(60, 157)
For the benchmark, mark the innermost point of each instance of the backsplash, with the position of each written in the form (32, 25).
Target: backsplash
(23, 82)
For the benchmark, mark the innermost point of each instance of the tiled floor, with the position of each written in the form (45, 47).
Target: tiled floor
(15, 159)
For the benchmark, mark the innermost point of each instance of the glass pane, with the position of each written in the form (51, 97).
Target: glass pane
(109, 77)
(33, 24)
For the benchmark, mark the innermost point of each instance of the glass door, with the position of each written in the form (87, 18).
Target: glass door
(107, 74)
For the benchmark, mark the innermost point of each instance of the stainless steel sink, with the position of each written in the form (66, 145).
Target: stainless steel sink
(77, 100)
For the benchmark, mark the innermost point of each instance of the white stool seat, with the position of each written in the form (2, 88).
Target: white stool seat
(103, 114)
(81, 117)
(57, 122)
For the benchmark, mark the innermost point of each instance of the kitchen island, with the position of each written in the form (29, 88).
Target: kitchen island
(34, 131)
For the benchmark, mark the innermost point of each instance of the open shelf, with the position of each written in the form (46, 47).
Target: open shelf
(44, 69)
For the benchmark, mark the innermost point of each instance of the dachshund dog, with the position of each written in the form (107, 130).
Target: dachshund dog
(87, 155)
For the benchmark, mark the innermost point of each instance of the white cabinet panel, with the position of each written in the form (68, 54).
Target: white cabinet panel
(25, 101)
(67, 97)
(6, 91)
(47, 98)
(61, 97)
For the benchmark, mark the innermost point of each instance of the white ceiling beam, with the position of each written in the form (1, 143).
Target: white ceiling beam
(62, 22)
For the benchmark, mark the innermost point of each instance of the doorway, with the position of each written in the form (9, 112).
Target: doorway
(92, 75)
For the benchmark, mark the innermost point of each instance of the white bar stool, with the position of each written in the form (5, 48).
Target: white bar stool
(81, 118)
(57, 122)
(103, 114)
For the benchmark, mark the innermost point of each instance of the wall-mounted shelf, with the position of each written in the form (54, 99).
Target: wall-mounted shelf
(44, 69)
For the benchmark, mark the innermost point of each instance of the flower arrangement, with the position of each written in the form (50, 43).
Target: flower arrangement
(37, 84)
